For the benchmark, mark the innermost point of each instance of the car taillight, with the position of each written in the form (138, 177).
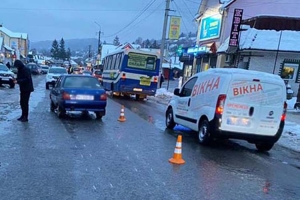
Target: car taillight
(283, 116)
(155, 79)
(66, 96)
(103, 97)
(220, 104)
(123, 76)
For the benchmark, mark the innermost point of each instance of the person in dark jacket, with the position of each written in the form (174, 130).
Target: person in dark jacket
(24, 80)
(8, 65)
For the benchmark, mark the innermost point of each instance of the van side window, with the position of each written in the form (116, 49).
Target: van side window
(188, 87)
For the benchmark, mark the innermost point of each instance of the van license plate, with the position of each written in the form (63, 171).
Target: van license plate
(85, 97)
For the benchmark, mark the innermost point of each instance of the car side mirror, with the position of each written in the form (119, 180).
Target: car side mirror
(177, 92)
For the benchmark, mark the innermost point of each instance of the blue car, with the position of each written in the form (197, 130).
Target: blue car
(78, 93)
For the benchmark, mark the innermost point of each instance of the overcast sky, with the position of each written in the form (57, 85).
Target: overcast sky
(53, 19)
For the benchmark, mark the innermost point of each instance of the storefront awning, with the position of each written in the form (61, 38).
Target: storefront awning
(7, 48)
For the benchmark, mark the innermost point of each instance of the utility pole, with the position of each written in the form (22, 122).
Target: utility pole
(163, 38)
(90, 51)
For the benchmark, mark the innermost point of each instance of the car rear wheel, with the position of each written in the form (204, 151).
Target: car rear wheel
(204, 136)
(47, 86)
(264, 146)
(170, 119)
(99, 115)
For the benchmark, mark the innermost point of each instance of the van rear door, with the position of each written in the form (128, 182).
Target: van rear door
(271, 110)
(242, 106)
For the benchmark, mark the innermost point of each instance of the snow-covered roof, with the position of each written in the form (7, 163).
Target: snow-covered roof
(1, 42)
(226, 3)
(266, 40)
(107, 49)
(13, 34)
(7, 47)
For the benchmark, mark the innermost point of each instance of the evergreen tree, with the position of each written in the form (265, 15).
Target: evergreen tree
(68, 54)
(182, 35)
(116, 41)
(139, 41)
(154, 45)
(55, 50)
(62, 50)
(147, 43)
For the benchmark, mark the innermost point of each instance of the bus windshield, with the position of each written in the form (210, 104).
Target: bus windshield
(141, 61)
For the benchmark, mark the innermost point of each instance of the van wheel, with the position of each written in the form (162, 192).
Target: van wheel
(264, 146)
(170, 119)
(204, 136)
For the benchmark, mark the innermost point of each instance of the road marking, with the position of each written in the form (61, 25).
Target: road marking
(94, 187)
(111, 185)
(285, 162)
(135, 169)
(99, 168)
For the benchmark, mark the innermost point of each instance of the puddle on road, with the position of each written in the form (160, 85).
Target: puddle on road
(10, 110)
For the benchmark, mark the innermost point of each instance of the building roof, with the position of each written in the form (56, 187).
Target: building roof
(1, 42)
(107, 49)
(13, 34)
(254, 39)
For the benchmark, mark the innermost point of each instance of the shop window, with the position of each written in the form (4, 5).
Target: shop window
(289, 71)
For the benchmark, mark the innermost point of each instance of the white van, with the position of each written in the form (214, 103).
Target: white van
(231, 103)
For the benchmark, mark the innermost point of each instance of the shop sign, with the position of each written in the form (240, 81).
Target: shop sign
(210, 27)
(196, 50)
(235, 28)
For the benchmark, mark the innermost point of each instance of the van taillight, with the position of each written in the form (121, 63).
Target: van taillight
(283, 116)
(66, 96)
(155, 79)
(220, 104)
(123, 76)
(103, 97)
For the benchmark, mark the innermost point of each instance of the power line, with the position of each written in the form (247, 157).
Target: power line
(134, 19)
(177, 8)
(74, 9)
(193, 15)
(143, 19)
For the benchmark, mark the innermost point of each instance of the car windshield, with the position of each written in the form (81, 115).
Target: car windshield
(3, 68)
(57, 71)
(98, 72)
(77, 69)
(81, 82)
(45, 67)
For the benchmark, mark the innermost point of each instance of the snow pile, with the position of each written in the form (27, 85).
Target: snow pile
(163, 93)
(291, 136)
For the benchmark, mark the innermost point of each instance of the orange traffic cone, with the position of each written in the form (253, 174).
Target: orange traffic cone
(122, 115)
(177, 156)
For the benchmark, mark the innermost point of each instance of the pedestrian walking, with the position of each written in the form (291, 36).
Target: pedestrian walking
(24, 80)
(70, 69)
(161, 80)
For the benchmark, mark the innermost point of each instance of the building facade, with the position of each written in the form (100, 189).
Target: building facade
(16, 43)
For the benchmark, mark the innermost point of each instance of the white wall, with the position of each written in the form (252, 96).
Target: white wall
(266, 64)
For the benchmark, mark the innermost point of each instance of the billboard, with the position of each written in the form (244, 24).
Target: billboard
(210, 27)
(174, 28)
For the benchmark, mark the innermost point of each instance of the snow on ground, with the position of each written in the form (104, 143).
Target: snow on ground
(163, 93)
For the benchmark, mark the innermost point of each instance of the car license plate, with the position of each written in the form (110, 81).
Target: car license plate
(85, 97)
(238, 121)
(4, 79)
(145, 81)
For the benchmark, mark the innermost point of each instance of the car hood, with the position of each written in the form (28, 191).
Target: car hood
(6, 72)
(51, 74)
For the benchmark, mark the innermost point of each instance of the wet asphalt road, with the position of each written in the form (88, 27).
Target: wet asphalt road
(80, 157)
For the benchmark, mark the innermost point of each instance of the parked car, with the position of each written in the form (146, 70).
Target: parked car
(45, 69)
(6, 76)
(78, 93)
(33, 68)
(86, 72)
(77, 70)
(53, 74)
(98, 75)
(231, 103)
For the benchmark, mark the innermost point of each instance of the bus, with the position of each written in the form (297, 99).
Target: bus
(131, 72)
